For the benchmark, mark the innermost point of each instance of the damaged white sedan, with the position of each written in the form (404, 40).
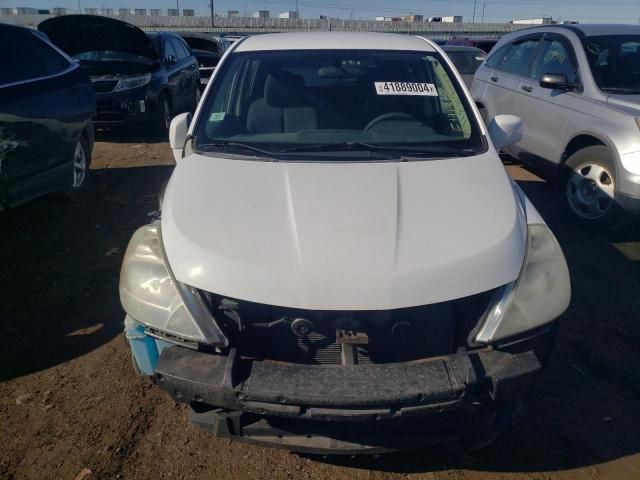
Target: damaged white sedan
(342, 264)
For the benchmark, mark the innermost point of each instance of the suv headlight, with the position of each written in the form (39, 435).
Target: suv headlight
(539, 295)
(150, 294)
(133, 82)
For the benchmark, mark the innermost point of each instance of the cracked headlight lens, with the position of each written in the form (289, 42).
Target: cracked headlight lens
(151, 295)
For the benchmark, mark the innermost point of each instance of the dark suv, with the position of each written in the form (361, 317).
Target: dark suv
(137, 77)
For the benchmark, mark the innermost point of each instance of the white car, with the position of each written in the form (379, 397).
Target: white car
(342, 264)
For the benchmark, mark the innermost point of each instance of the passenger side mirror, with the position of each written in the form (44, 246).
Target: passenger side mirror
(170, 60)
(178, 134)
(505, 130)
(556, 81)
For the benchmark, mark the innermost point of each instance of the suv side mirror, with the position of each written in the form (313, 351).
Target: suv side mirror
(178, 134)
(505, 130)
(556, 81)
(170, 60)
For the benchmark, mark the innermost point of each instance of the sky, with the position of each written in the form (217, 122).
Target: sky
(586, 11)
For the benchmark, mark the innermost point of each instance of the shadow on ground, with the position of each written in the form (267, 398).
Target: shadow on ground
(61, 260)
(130, 135)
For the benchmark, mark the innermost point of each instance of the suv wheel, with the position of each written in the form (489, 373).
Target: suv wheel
(198, 96)
(589, 184)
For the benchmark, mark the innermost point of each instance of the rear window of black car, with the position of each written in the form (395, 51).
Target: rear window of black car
(19, 45)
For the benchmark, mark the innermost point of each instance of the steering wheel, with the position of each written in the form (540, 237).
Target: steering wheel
(385, 117)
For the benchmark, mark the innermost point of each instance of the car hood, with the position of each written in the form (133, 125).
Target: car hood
(343, 236)
(627, 103)
(76, 34)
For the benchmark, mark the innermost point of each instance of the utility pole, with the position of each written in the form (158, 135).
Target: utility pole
(212, 16)
(474, 11)
(484, 5)
(178, 6)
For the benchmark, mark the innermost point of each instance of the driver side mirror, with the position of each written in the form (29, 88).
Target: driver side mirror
(178, 131)
(556, 81)
(505, 130)
(170, 60)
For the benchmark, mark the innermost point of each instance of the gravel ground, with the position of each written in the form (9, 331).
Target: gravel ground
(69, 399)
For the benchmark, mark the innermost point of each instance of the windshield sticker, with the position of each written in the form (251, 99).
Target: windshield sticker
(217, 116)
(406, 88)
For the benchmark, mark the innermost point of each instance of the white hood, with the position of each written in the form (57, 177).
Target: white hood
(343, 236)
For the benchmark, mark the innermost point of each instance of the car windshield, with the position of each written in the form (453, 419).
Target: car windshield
(331, 101)
(615, 62)
(111, 56)
(466, 61)
(201, 44)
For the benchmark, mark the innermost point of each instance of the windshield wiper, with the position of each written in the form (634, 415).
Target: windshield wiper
(327, 147)
(435, 151)
(620, 90)
(225, 144)
(398, 150)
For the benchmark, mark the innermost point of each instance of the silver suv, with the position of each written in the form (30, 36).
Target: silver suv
(577, 90)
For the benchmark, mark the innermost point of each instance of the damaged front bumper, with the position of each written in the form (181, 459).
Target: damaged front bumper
(352, 409)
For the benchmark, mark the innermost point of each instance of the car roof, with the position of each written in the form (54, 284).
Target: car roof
(333, 41)
(582, 30)
(462, 48)
(604, 29)
(162, 34)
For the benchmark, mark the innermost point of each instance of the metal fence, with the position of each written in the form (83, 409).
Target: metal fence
(262, 25)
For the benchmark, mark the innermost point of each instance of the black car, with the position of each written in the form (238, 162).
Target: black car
(46, 107)
(466, 59)
(208, 49)
(138, 78)
(484, 44)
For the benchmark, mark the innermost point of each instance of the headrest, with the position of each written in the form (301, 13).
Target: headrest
(284, 90)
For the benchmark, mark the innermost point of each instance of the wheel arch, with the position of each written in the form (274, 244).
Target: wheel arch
(586, 139)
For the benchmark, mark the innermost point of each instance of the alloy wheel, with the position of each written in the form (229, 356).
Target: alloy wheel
(590, 190)
(79, 166)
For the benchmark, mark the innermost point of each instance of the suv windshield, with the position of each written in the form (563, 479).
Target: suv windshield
(332, 101)
(615, 62)
(111, 56)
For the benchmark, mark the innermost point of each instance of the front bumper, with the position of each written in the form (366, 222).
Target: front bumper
(354, 409)
(129, 106)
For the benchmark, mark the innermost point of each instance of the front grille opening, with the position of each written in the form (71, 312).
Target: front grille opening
(104, 86)
(265, 332)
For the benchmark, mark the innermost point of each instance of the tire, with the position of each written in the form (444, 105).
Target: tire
(198, 96)
(587, 186)
(484, 115)
(163, 117)
(81, 164)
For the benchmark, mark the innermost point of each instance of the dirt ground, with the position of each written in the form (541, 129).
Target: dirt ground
(70, 400)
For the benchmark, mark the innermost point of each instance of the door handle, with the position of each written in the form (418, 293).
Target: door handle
(494, 79)
(527, 88)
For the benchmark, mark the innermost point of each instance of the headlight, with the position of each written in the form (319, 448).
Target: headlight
(539, 295)
(133, 82)
(151, 295)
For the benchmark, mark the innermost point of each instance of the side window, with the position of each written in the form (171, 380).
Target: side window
(555, 58)
(18, 45)
(496, 58)
(519, 57)
(181, 52)
(169, 50)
